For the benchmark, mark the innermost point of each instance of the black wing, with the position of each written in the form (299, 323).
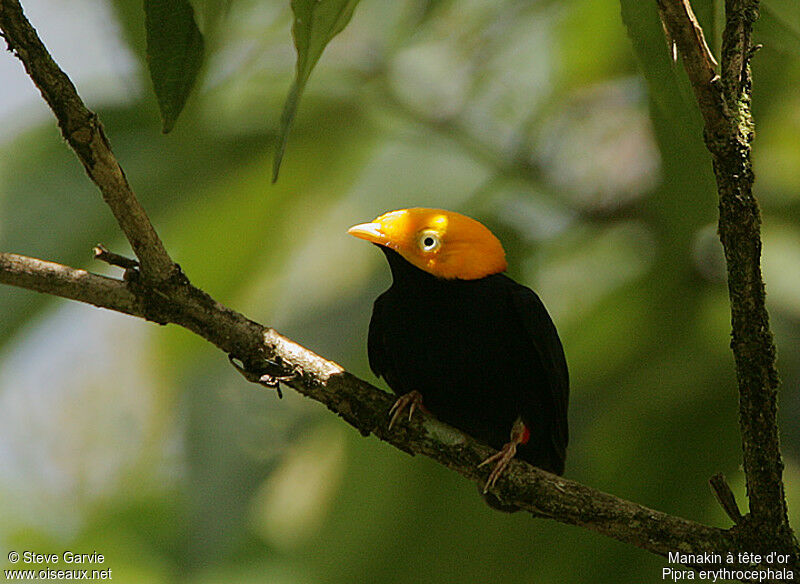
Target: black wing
(547, 347)
(376, 343)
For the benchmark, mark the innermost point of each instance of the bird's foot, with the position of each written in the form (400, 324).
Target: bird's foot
(502, 457)
(412, 400)
(519, 435)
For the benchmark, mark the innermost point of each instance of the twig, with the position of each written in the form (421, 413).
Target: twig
(366, 408)
(113, 259)
(683, 29)
(84, 133)
(722, 491)
(60, 280)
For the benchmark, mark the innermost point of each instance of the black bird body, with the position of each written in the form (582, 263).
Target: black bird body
(481, 352)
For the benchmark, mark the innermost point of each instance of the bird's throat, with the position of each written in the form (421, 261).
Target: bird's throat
(404, 273)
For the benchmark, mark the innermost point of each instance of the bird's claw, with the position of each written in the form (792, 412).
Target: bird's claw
(519, 435)
(502, 457)
(411, 400)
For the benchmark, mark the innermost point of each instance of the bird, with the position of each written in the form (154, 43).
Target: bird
(456, 336)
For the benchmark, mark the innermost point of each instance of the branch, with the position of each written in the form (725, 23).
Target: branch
(725, 107)
(60, 280)
(681, 24)
(740, 233)
(724, 494)
(113, 259)
(365, 407)
(84, 133)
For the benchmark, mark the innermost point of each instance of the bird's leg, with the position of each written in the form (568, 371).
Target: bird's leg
(411, 400)
(519, 435)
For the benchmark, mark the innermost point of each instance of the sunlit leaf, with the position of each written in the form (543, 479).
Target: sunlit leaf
(174, 54)
(316, 22)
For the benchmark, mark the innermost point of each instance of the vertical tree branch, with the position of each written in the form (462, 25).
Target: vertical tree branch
(740, 233)
(725, 106)
(84, 133)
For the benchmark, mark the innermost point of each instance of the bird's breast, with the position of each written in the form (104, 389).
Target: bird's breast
(463, 349)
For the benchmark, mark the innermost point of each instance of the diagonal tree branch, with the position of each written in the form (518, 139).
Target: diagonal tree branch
(365, 407)
(725, 106)
(684, 29)
(84, 133)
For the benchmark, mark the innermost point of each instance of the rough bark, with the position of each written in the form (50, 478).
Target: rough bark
(724, 102)
(365, 407)
(82, 130)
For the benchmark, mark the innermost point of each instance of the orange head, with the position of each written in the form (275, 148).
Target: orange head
(445, 244)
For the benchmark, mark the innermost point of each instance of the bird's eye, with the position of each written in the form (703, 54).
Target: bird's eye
(429, 241)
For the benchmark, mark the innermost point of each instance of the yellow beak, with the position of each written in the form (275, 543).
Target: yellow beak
(372, 232)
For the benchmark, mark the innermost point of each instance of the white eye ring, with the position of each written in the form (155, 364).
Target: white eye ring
(429, 241)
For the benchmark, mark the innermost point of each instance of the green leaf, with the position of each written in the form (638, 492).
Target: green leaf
(174, 54)
(316, 22)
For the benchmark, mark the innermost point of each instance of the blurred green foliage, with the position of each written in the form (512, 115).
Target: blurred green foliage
(316, 23)
(564, 126)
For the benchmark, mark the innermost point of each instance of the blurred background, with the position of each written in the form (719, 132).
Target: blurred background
(563, 126)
